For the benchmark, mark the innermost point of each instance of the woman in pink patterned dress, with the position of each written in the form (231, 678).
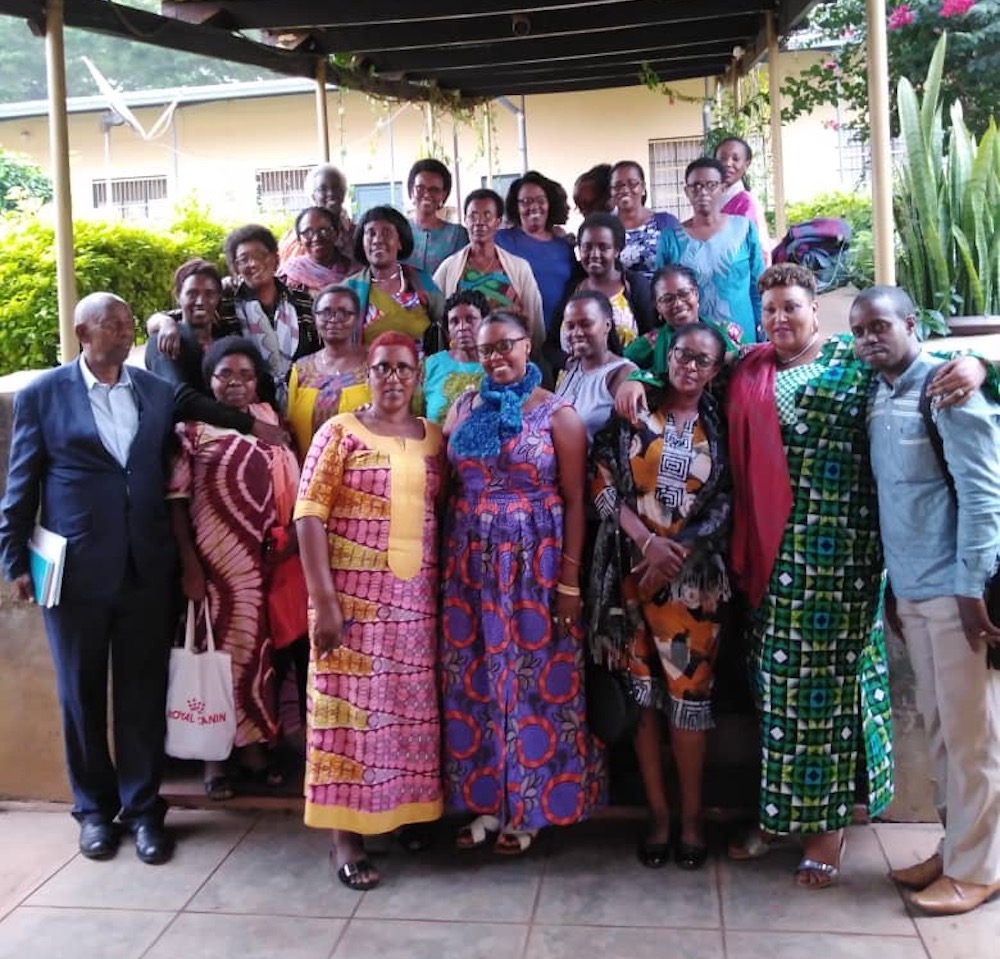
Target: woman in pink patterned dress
(224, 509)
(371, 563)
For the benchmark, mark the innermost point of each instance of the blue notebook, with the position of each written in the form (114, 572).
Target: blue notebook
(47, 555)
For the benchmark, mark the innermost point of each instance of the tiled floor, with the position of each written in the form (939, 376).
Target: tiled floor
(251, 885)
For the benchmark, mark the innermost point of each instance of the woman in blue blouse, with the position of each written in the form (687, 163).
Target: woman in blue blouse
(537, 205)
(434, 239)
(722, 250)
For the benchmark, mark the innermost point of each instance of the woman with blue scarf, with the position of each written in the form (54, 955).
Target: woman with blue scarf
(518, 755)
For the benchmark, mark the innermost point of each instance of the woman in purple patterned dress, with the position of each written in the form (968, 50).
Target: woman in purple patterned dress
(517, 751)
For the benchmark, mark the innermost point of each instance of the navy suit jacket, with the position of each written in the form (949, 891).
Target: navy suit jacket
(107, 512)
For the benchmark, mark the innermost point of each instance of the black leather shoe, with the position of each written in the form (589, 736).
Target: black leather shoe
(98, 839)
(153, 844)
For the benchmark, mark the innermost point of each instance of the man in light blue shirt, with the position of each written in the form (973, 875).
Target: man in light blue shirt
(940, 549)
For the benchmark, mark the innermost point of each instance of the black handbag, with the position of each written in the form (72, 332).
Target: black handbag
(612, 713)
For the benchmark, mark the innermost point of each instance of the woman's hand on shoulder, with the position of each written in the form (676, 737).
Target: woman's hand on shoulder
(630, 401)
(953, 383)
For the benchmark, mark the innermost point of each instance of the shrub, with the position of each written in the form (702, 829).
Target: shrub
(135, 262)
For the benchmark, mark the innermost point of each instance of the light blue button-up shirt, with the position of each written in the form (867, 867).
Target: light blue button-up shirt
(115, 411)
(931, 547)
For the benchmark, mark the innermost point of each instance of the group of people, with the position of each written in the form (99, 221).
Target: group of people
(480, 460)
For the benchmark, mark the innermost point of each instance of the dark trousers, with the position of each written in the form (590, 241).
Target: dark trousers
(130, 629)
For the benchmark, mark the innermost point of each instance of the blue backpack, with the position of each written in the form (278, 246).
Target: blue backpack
(819, 245)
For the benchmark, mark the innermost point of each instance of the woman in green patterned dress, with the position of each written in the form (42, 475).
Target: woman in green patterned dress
(806, 552)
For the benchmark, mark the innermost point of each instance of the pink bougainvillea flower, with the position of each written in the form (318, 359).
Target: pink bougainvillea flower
(901, 16)
(956, 8)
(830, 65)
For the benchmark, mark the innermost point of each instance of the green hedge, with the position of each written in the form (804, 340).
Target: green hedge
(135, 262)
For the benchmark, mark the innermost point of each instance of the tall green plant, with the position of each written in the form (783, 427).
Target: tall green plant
(947, 203)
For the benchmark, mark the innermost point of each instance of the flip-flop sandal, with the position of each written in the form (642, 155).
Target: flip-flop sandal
(352, 875)
(514, 842)
(478, 832)
(219, 788)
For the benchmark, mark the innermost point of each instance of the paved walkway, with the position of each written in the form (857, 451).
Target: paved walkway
(253, 885)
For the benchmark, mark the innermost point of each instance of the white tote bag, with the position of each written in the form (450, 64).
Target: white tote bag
(201, 710)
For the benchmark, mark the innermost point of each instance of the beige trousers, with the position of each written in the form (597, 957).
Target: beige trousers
(959, 699)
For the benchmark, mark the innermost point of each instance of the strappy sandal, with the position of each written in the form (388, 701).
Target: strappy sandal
(513, 842)
(753, 845)
(359, 876)
(825, 874)
(477, 833)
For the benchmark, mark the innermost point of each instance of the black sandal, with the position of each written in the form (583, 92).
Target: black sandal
(691, 856)
(352, 875)
(219, 788)
(653, 855)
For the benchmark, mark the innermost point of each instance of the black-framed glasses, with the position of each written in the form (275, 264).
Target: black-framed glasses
(402, 371)
(702, 360)
(699, 186)
(501, 347)
(338, 313)
(228, 376)
(533, 203)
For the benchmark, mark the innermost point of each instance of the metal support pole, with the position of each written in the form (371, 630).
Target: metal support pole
(522, 130)
(777, 151)
(488, 121)
(322, 117)
(55, 70)
(881, 147)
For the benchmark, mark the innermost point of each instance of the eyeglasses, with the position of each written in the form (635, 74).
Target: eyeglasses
(250, 259)
(336, 314)
(669, 299)
(486, 218)
(428, 191)
(501, 347)
(621, 186)
(228, 376)
(533, 203)
(702, 360)
(402, 371)
(319, 233)
(698, 186)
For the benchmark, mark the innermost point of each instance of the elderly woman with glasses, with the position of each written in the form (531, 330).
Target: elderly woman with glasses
(327, 188)
(367, 523)
(434, 239)
(323, 262)
(517, 752)
(642, 226)
(723, 251)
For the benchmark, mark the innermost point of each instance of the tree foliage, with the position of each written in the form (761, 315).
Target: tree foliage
(130, 66)
(971, 71)
(21, 181)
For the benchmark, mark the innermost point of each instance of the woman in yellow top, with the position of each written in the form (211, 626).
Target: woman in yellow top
(373, 762)
(335, 378)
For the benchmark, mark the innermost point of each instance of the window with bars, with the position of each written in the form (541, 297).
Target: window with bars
(667, 162)
(132, 198)
(855, 161)
(283, 190)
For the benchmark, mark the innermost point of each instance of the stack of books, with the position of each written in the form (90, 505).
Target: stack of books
(47, 551)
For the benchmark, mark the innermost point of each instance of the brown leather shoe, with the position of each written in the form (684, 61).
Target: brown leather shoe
(921, 875)
(949, 897)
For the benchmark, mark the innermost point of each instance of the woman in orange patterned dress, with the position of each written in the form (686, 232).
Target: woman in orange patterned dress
(224, 509)
(371, 563)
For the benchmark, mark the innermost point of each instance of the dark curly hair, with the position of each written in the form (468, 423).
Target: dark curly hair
(606, 221)
(238, 346)
(433, 166)
(787, 274)
(469, 298)
(554, 193)
(704, 163)
(485, 194)
(383, 214)
(251, 233)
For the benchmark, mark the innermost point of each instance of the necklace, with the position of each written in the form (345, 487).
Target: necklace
(805, 349)
(394, 275)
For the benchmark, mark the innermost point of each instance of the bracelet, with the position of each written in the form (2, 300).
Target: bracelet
(569, 559)
(566, 590)
(645, 545)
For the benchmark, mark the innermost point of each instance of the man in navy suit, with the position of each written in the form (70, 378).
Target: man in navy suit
(89, 458)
